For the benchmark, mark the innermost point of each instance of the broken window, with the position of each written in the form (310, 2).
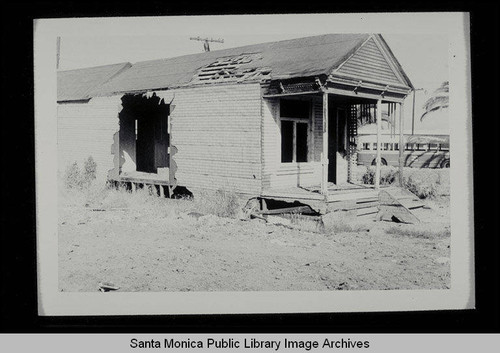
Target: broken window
(294, 115)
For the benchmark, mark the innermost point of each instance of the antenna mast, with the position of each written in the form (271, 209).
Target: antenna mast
(206, 41)
(58, 52)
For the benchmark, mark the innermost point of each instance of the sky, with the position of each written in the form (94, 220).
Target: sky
(423, 54)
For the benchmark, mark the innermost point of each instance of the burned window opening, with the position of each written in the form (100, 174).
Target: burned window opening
(144, 139)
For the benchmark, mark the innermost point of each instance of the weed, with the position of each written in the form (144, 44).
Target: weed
(89, 171)
(423, 188)
(305, 223)
(222, 203)
(419, 233)
(388, 175)
(74, 178)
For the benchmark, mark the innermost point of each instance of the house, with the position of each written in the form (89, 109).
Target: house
(251, 119)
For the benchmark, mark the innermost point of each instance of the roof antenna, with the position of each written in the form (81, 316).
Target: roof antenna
(206, 41)
(58, 54)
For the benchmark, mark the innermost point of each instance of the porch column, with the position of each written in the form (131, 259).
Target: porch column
(324, 153)
(379, 125)
(401, 143)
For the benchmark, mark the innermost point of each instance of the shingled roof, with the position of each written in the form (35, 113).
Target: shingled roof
(79, 84)
(288, 59)
(303, 57)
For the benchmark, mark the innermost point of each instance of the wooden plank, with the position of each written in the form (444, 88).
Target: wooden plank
(391, 209)
(379, 139)
(367, 211)
(364, 205)
(412, 204)
(324, 152)
(143, 181)
(352, 196)
(298, 209)
(401, 143)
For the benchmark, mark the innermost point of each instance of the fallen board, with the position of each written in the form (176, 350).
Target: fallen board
(390, 209)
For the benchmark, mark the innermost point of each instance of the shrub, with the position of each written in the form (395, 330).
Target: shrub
(73, 176)
(388, 175)
(423, 188)
(89, 171)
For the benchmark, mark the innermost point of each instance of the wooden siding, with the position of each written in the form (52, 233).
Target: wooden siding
(87, 129)
(276, 174)
(369, 64)
(217, 133)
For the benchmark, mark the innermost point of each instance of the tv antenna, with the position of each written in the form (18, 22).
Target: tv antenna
(206, 41)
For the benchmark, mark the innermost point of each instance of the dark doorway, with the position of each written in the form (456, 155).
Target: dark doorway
(337, 137)
(144, 132)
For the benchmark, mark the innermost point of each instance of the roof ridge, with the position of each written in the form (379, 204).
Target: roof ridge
(96, 67)
(212, 52)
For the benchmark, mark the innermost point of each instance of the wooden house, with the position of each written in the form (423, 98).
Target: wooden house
(253, 119)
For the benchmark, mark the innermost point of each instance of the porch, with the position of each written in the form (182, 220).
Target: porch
(359, 198)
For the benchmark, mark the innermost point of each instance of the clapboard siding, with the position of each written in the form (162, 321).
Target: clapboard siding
(276, 174)
(369, 64)
(87, 129)
(318, 127)
(217, 133)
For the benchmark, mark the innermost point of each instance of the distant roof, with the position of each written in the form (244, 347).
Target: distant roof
(79, 84)
(303, 57)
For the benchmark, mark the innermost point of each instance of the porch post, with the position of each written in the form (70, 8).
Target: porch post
(401, 143)
(324, 153)
(379, 125)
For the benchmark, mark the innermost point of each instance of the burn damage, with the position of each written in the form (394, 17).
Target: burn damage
(141, 147)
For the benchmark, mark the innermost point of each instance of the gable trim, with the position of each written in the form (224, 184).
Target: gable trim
(388, 57)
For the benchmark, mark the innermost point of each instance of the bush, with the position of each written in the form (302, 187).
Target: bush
(423, 188)
(74, 178)
(89, 171)
(388, 175)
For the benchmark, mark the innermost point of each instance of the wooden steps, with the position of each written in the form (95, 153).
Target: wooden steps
(362, 201)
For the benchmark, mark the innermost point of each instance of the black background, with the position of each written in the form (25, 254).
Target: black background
(18, 302)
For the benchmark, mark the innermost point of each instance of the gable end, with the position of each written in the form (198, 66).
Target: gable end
(369, 63)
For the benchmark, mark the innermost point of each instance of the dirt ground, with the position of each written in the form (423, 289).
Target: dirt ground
(169, 250)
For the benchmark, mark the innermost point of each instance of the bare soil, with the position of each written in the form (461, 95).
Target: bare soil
(172, 251)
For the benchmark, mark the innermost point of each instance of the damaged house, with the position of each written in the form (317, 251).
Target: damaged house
(257, 120)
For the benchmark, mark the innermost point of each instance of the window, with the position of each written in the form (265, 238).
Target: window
(366, 146)
(294, 116)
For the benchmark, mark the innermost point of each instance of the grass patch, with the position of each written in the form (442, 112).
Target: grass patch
(305, 223)
(419, 233)
(221, 203)
(341, 222)
(424, 182)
